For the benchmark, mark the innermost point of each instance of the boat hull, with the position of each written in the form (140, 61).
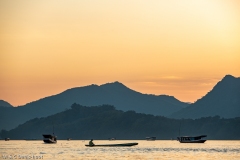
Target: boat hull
(48, 138)
(192, 139)
(150, 138)
(49, 141)
(197, 141)
(114, 145)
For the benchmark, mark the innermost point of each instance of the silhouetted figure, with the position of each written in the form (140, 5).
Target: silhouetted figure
(91, 143)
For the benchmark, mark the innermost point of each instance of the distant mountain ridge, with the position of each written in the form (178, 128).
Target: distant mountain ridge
(223, 100)
(115, 94)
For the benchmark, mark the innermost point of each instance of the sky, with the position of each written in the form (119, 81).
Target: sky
(178, 48)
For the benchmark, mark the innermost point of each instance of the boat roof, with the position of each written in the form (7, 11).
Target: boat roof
(194, 136)
(48, 135)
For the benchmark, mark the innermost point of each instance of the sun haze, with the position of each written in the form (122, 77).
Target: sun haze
(179, 48)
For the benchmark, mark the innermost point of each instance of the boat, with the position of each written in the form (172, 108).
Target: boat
(192, 139)
(150, 138)
(7, 139)
(48, 138)
(113, 145)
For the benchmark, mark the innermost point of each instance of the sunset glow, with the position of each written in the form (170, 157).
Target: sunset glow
(178, 48)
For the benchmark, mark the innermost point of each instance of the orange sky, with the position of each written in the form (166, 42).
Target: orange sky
(179, 48)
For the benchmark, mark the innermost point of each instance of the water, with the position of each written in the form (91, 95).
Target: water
(150, 150)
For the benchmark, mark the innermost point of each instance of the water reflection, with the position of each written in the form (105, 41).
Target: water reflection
(145, 150)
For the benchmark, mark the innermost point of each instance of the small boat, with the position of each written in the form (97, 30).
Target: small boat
(192, 139)
(150, 138)
(113, 145)
(69, 139)
(48, 138)
(7, 139)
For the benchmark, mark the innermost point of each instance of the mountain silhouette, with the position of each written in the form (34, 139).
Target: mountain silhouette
(223, 100)
(5, 104)
(115, 94)
(104, 122)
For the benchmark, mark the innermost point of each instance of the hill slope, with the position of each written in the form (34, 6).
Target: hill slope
(103, 122)
(5, 104)
(115, 94)
(222, 100)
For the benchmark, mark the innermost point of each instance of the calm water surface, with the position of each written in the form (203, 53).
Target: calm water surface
(75, 149)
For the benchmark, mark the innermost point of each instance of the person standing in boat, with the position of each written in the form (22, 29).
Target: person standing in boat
(91, 143)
